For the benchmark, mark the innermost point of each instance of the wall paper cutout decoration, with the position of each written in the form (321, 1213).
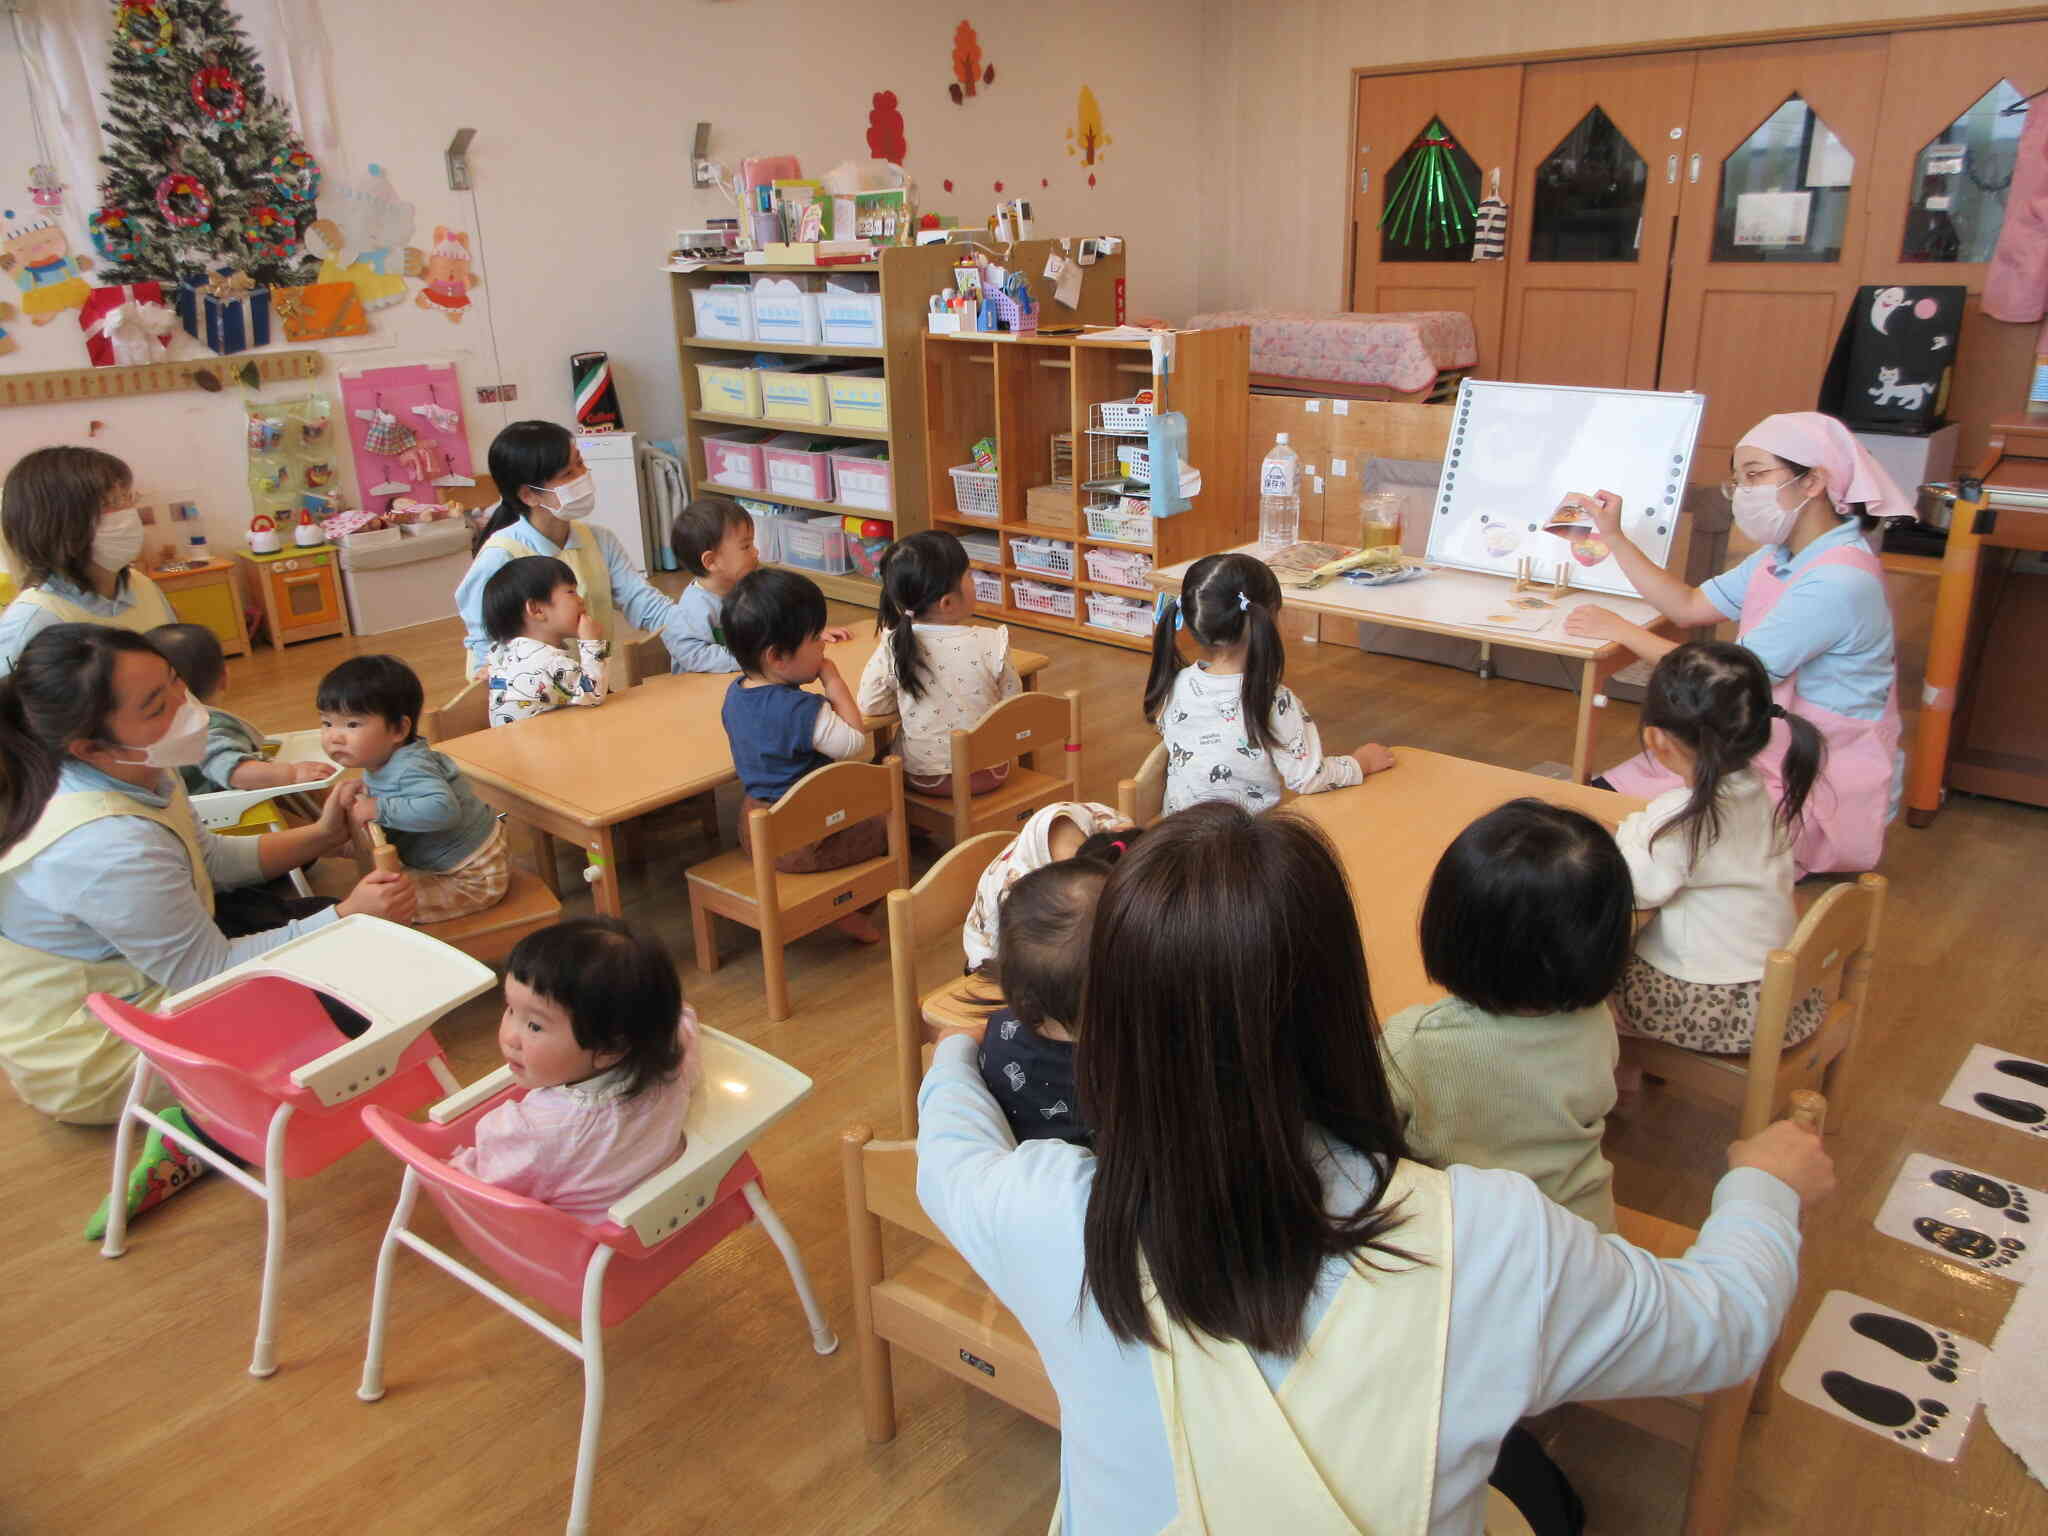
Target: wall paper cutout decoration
(969, 72)
(361, 236)
(449, 279)
(319, 311)
(1086, 137)
(885, 129)
(7, 342)
(38, 258)
(125, 324)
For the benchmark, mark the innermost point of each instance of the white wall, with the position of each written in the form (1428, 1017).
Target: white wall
(584, 119)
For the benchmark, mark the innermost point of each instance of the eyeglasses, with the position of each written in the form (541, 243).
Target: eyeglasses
(1754, 477)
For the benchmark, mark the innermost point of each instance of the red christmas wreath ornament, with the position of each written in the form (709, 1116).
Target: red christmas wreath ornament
(184, 201)
(213, 83)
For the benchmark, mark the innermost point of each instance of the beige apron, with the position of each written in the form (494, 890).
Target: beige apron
(147, 607)
(59, 1057)
(593, 581)
(1348, 1442)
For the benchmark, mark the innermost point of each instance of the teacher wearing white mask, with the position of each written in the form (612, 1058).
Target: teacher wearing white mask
(1811, 604)
(545, 494)
(70, 522)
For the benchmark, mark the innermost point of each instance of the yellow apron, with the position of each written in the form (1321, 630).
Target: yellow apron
(147, 606)
(1348, 1442)
(59, 1057)
(593, 581)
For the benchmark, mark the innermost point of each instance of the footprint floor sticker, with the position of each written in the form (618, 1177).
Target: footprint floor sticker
(1915, 1383)
(1970, 1218)
(2003, 1087)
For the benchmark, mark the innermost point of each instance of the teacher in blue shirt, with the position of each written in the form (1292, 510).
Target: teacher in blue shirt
(545, 493)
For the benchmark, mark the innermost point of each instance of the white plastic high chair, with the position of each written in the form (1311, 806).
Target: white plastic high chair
(255, 1059)
(223, 808)
(602, 1272)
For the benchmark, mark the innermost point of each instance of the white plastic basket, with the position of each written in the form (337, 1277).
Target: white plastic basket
(975, 493)
(1037, 597)
(1132, 415)
(1119, 567)
(1127, 520)
(1136, 459)
(1047, 555)
(1125, 615)
(988, 588)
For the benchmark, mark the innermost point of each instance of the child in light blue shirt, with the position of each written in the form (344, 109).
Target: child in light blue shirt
(713, 539)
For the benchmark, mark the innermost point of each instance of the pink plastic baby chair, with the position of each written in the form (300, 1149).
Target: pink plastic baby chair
(256, 1060)
(602, 1272)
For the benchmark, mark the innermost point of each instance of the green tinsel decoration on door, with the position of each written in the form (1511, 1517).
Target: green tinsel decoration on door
(1431, 201)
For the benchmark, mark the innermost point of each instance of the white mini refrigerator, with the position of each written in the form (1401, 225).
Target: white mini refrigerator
(410, 582)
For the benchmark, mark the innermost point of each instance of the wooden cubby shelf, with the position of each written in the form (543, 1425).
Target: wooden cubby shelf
(1042, 385)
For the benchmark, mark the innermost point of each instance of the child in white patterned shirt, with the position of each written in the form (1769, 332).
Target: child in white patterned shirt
(598, 1037)
(532, 610)
(1233, 730)
(934, 669)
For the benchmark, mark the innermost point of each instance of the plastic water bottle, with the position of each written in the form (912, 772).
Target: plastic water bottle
(1279, 496)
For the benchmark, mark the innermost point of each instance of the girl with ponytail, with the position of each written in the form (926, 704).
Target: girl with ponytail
(1233, 730)
(933, 668)
(1713, 858)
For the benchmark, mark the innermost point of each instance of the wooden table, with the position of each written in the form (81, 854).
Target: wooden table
(1452, 602)
(1391, 830)
(577, 774)
(1973, 670)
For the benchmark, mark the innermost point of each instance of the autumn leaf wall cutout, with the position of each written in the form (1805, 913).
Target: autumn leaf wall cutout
(969, 72)
(885, 129)
(1086, 137)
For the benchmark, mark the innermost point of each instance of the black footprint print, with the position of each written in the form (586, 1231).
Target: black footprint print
(2034, 1072)
(1932, 1348)
(1988, 1192)
(1968, 1243)
(1882, 1406)
(2019, 1111)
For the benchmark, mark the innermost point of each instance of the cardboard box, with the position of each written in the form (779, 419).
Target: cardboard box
(1051, 506)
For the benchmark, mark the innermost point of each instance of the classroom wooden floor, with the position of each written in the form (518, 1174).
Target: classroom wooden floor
(129, 1408)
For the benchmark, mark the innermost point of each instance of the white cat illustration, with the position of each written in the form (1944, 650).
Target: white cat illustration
(1888, 391)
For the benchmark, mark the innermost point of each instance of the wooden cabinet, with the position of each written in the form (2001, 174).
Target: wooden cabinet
(208, 596)
(1022, 391)
(299, 591)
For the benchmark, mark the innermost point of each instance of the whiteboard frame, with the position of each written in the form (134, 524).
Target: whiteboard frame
(1639, 516)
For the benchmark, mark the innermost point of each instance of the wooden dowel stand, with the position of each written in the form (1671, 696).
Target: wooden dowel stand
(389, 863)
(1809, 1110)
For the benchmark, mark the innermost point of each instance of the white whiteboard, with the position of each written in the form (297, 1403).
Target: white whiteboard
(1517, 449)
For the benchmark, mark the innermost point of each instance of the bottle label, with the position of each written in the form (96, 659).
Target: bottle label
(1276, 478)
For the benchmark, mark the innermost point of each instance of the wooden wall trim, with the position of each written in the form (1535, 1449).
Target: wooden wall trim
(1816, 33)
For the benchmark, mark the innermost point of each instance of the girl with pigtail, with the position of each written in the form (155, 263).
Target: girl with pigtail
(934, 669)
(1713, 858)
(1233, 730)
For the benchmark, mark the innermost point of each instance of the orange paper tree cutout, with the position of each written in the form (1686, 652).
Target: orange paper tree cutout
(1086, 138)
(968, 69)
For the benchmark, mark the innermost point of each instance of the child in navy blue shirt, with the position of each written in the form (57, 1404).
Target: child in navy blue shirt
(774, 624)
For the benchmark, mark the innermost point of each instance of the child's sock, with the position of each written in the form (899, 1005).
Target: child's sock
(163, 1169)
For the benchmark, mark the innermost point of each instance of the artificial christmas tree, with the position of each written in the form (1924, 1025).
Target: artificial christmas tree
(204, 169)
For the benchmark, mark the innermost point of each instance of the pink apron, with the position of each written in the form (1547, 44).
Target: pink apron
(1843, 825)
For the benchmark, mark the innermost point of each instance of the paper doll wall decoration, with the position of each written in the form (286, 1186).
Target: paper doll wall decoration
(449, 278)
(361, 235)
(37, 257)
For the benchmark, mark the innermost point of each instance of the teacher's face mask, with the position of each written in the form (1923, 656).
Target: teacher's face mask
(1761, 516)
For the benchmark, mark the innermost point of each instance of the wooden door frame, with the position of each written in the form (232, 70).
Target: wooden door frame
(1822, 32)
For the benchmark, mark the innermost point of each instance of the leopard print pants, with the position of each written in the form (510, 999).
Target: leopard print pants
(1702, 1015)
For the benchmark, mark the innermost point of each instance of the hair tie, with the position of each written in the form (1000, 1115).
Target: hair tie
(1119, 847)
(1244, 604)
(1777, 711)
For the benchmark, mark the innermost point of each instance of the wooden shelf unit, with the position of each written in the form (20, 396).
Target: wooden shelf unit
(1020, 390)
(911, 276)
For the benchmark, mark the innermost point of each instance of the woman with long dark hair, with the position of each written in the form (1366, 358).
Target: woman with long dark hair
(1259, 1313)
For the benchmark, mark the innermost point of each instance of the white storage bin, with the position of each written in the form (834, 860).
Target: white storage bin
(1037, 597)
(410, 582)
(1125, 615)
(850, 319)
(1047, 555)
(861, 478)
(1127, 520)
(818, 545)
(988, 588)
(975, 493)
(1119, 567)
(724, 312)
(784, 312)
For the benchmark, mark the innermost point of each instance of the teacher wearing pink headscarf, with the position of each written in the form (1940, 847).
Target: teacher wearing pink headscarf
(1811, 604)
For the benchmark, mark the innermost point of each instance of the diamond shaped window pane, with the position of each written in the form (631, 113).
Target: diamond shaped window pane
(1785, 191)
(1960, 179)
(1428, 199)
(1589, 196)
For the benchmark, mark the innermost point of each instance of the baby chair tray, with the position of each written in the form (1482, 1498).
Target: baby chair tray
(225, 807)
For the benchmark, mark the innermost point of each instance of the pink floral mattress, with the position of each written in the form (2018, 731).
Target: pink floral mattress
(1404, 352)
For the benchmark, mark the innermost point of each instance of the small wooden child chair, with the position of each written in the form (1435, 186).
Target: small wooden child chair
(490, 935)
(602, 1272)
(1141, 800)
(1833, 948)
(258, 1062)
(938, 902)
(781, 907)
(1012, 732)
